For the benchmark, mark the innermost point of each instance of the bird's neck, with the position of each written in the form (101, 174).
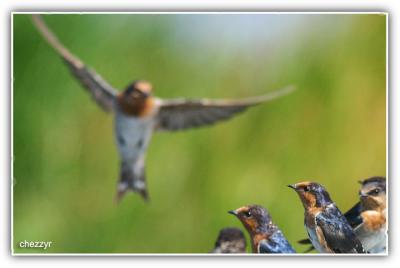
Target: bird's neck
(260, 233)
(138, 108)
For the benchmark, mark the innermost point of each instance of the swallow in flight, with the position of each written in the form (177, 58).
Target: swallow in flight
(138, 113)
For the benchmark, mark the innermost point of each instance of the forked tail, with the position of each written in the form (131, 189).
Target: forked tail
(132, 178)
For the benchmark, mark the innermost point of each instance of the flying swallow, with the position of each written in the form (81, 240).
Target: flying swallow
(326, 226)
(368, 216)
(265, 236)
(230, 240)
(138, 113)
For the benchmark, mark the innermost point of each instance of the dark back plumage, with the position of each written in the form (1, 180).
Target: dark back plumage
(337, 232)
(275, 243)
(353, 215)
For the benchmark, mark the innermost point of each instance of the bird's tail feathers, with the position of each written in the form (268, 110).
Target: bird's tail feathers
(304, 241)
(123, 189)
(131, 181)
(311, 248)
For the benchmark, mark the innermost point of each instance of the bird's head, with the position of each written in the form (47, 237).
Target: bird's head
(136, 98)
(312, 194)
(138, 90)
(253, 217)
(373, 193)
(230, 240)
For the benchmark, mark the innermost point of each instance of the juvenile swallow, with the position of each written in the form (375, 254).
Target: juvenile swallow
(368, 216)
(326, 226)
(265, 235)
(230, 240)
(138, 113)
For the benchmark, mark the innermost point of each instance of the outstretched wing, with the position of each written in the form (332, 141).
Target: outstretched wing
(337, 232)
(100, 90)
(276, 243)
(182, 113)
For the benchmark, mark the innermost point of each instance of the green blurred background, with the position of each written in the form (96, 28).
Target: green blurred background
(331, 130)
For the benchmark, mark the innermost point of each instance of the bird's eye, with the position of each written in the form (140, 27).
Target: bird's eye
(247, 214)
(376, 191)
(306, 189)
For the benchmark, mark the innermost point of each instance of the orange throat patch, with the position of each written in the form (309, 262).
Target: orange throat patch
(138, 108)
(373, 220)
(255, 240)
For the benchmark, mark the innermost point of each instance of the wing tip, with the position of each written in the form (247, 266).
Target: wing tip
(276, 94)
(54, 42)
(280, 92)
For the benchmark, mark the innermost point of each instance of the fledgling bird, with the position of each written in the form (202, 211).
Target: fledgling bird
(138, 113)
(368, 216)
(326, 226)
(265, 236)
(230, 240)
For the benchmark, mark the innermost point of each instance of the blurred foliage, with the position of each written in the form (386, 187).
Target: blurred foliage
(331, 130)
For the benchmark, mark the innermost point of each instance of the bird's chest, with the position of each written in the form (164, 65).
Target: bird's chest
(133, 134)
(312, 234)
(372, 233)
(311, 227)
(373, 220)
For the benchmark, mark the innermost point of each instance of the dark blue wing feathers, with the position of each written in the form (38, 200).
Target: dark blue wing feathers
(353, 216)
(337, 232)
(276, 243)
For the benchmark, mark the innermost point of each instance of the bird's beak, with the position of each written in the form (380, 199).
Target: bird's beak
(360, 182)
(293, 186)
(233, 212)
(146, 94)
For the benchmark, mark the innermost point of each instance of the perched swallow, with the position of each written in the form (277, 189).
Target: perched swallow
(265, 235)
(138, 113)
(368, 216)
(326, 226)
(230, 240)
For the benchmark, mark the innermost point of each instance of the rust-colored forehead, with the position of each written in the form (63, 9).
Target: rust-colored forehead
(242, 209)
(303, 184)
(144, 86)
